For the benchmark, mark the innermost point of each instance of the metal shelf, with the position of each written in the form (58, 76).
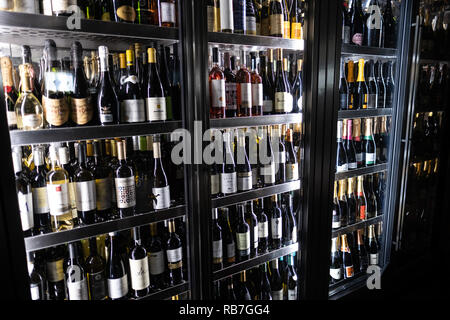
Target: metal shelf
(433, 61)
(82, 232)
(356, 226)
(33, 29)
(167, 292)
(353, 50)
(254, 262)
(268, 120)
(241, 41)
(347, 286)
(364, 113)
(361, 171)
(254, 194)
(19, 137)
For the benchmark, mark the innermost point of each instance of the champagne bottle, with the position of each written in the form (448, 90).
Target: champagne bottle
(357, 142)
(361, 202)
(390, 85)
(336, 217)
(343, 90)
(343, 204)
(360, 93)
(373, 247)
(347, 261)
(362, 252)
(341, 159)
(381, 99)
(372, 99)
(351, 201)
(349, 145)
(351, 85)
(335, 262)
(368, 145)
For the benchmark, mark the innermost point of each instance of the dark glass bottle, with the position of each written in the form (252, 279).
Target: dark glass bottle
(116, 270)
(242, 290)
(10, 93)
(165, 81)
(41, 210)
(335, 262)
(155, 96)
(357, 30)
(276, 283)
(360, 92)
(217, 245)
(368, 145)
(390, 85)
(263, 228)
(373, 36)
(160, 188)
(55, 272)
(257, 87)
(389, 27)
(276, 224)
(36, 278)
(341, 159)
(343, 90)
(156, 258)
(351, 201)
(230, 87)
(242, 235)
(77, 286)
(124, 182)
(347, 261)
(107, 101)
(381, 99)
(252, 222)
(266, 292)
(283, 97)
(349, 145)
(229, 245)
(372, 97)
(336, 216)
(138, 260)
(95, 269)
(291, 287)
(103, 183)
(244, 88)
(362, 253)
(174, 254)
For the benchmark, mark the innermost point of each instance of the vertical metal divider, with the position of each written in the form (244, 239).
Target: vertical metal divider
(321, 98)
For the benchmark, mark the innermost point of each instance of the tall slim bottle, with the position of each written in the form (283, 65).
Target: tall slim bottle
(107, 101)
(351, 85)
(390, 84)
(343, 204)
(362, 252)
(372, 99)
(244, 88)
(226, 16)
(161, 188)
(373, 36)
(368, 145)
(347, 261)
(361, 202)
(239, 16)
(341, 159)
(267, 86)
(155, 98)
(335, 262)
(138, 260)
(283, 96)
(230, 87)
(95, 269)
(257, 88)
(217, 89)
(263, 228)
(10, 91)
(361, 92)
(76, 280)
(124, 184)
(276, 18)
(349, 145)
(242, 235)
(357, 31)
(344, 92)
(174, 254)
(116, 271)
(373, 247)
(381, 99)
(357, 142)
(336, 217)
(41, 209)
(351, 200)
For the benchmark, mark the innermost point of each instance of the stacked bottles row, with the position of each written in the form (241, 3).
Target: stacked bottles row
(256, 87)
(367, 25)
(277, 18)
(84, 183)
(433, 87)
(427, 135)
(154, 12)
(374, 87)
(253, 158)
(119, 265)
(435, 40)
(256, 227)
(356, 150)
(353, 253)
(358, 199)
(94, 90)
(276, 280)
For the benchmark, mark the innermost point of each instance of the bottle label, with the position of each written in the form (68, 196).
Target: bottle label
(342, 168)
(103, 193)
(374, 19)
(217, 251)
(282, 157)
(276, 24)
(243, 241)
(174, 258)
(167, 12)
(40, 200)
(255, 236)
(244, 181)
(85, 195)
(294, 234)
(81, 111)
(231, 95)
(359, 157)
(58, 199)
(268, 171)
(106, 117)
(215, 184)
(275, 224)
(343, 101)
(251, 25)
(25, 6)
(263, 229)
(257, 95)
(12, 119)
(31, 121)
(362, 213)
(77, 290)
(26, 210)
(117, 288)
(336, 223)
(55, 270)
(231, 251)
(126, 13)
(277, 295)
(370, 158)
(283, 102)
(336, 274)
(267, 106)
(255, 176)
(372, 101)
(56, 111)
(218, 93)
(291, 171)
(139, 273)
(132, 110)
(162, 196)
(246, 95)
(286, 29)
(125, 192)
(35, 291)
(353, 165)
(226, 14)
(228, 183)
(156, 109)
(373, 257)
(357, 39)
(156, 262)
(349, 272)
(292, 294)
(296, 30)
(346, 34)
(60, 5)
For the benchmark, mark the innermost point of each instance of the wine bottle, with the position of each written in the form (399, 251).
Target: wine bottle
(239, 16)
(257, 88)
(344, 91)
(351, 201)
(349, 145)
(360, 93)
(335, 262)
(291, 288)
(58, 194)
(292, 170)
(389, 27)
(124, 10)
(165, 81)
(290, 225)
(103, 184)
(346, 23)
(267, 169)
(24, 193)
(107, 101)
(341, 159)
(372, 210)
(95, 269)
(336, 216)
(77, 288)
(296, 20)
(276, 18)
(368, 145)
(267, 87)
(242, 289)
(244, 88)
(373, 247)
(138, 260)
(357, 142)
(41, 209)
(124, 185)
(213, 12)
(168, 13)
(351, 85)
(252, 222)
(266, 292)
(161, 188)
(229, 245)
(276, 283)
(227, 16)
(243, 167)
(217, 89)
(85, 192)
(297, 88)
(155, 98)
(381, 99)
(250, 17)
(286, 20)
(242, 235)
(230, 88)
(9, 91)
(54, 258)
(384, 140)
(361, 202)
(26, 59)
(156, 258)
(390, 85)
(228, 176)
(357, 31)
(283, 97)
(36, 278)
(347, 261)
(374, 25)
(280, 165)
(263, 228)
(362, 253)
(276, 224)
(217, 252)
(372, 99)
(174, 254)
(343, 204)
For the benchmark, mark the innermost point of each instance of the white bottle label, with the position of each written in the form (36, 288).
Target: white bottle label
(255, 236)
(174, 255)
(11, 117)
(228, 183)
(55, 270)
(352, 165)
(263, 229)
(336, 224)
(336, 273)
(243, 241)
(35, 292)
(215, 184)
(85, 195)
(291, 171)
(275, 224)
(231, 95)
(27, 6)
(342, 168)
(218, 97)
(359, 157)
(257, 94)
(156, 109)
(268, 171)
(31, 121)
(267, 106)
(139, 273)
(167, 12)
(106, 118)
(217, 249)
(77, 289)
(370, 158)
(103, 193)
(132, 111)
(117, 288)
(246, 95)
(245, 181)
(156, 262)
(162, 200)
(251, 25)
(58, 199)
(282, 157)
(292, 294)
(283, 102)
(231, 250)
(226, 15)
(373, 259)
(125, 192)
(26, 210)
(40, 200)
(277, 295)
